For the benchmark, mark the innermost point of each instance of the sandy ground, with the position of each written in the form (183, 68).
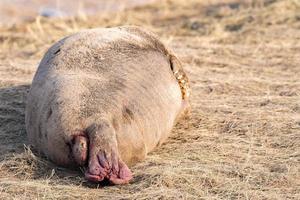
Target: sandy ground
(242, 139)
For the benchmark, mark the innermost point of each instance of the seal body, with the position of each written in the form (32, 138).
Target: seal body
(103, 98)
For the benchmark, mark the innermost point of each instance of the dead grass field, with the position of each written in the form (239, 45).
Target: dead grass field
(242, 140)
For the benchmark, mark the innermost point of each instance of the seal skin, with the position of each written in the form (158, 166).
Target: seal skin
(103, 98)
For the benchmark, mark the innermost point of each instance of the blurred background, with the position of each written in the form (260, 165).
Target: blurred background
(16, 11)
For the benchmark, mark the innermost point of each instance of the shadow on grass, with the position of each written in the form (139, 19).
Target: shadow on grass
(17, 158)
(12, 119)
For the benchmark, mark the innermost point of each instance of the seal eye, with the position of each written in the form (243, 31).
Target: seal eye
(79, 149)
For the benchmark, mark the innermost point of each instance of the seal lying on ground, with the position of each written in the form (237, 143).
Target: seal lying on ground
(103, 98)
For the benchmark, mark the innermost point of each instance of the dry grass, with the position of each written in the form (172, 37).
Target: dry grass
(242, 140)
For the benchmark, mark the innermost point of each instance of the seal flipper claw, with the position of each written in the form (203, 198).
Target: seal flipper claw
(122, 176)
(104, 160)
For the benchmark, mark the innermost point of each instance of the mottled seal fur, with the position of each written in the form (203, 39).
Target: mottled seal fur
(103, 98)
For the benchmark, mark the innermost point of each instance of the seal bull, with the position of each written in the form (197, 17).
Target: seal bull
(103, 98)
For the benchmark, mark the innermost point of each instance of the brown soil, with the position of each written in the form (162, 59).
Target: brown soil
(242, 140)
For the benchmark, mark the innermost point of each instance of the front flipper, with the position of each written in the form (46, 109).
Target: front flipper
(104, 160)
